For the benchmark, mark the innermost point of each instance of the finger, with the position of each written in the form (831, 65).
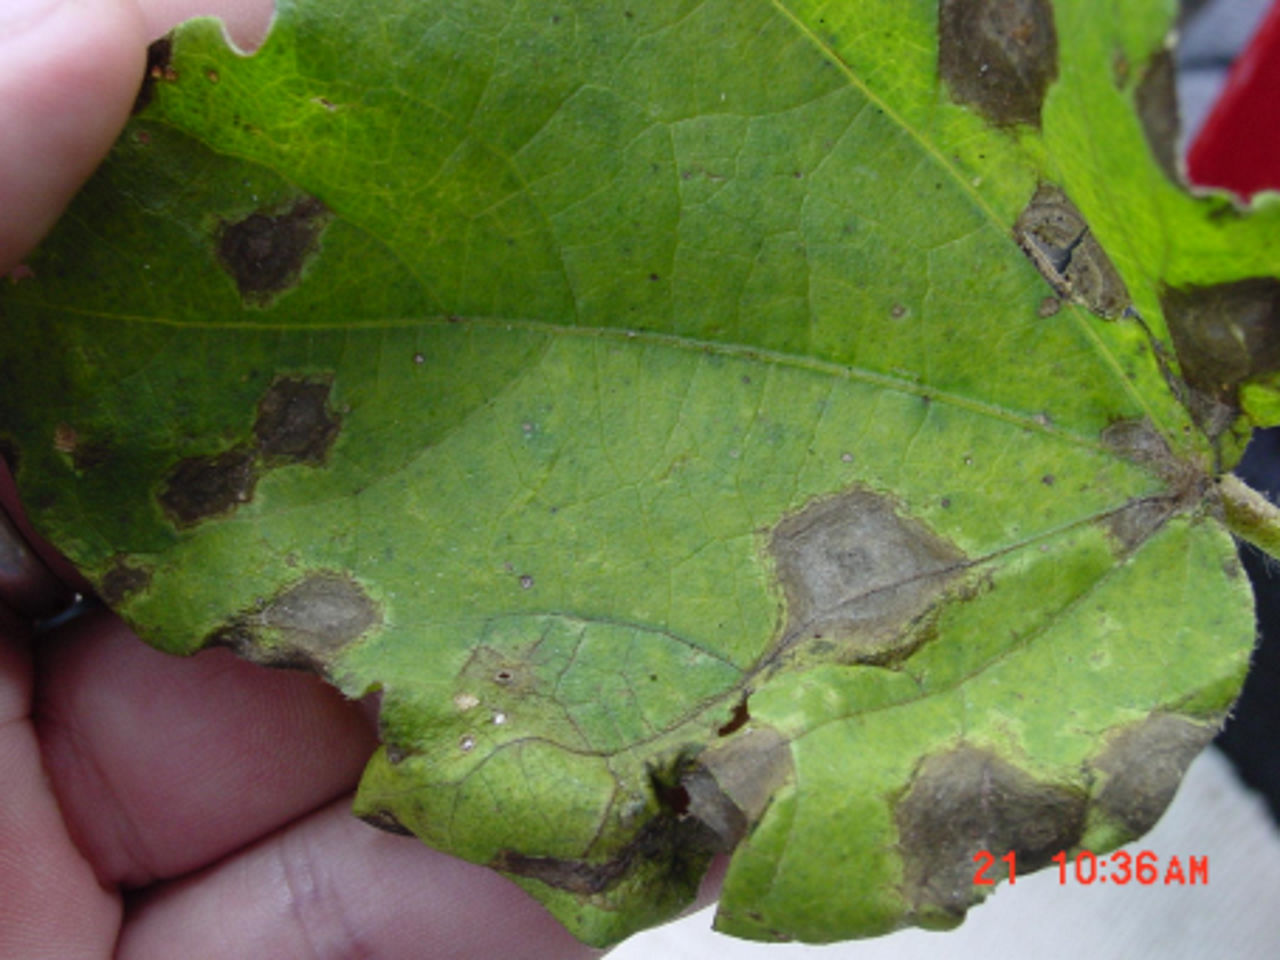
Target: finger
(51, 906)
(246, 20)
(69, 72)
(163, 764)
(34, 581)
(331, 886)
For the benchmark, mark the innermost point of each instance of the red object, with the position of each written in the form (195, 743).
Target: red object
(1238, 147)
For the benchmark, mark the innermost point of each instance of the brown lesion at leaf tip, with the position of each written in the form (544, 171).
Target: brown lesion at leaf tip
(1224, 335)
(968, 799)
(1142, 765)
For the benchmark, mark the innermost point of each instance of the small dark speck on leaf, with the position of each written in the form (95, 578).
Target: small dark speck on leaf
(526, 582)
(1120, 70)
(1048, 480)
(1049, 306)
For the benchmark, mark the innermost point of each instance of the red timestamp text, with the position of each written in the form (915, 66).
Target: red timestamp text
(1120, 868)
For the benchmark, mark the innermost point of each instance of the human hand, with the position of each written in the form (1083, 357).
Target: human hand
(156, 807)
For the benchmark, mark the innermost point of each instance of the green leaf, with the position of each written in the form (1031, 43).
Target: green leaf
(706, 425)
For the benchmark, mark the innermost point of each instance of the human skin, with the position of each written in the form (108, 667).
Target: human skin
(153, 807)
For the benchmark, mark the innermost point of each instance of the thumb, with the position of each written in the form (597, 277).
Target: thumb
(69, 72)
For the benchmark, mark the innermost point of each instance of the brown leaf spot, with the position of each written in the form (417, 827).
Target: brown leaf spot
(202, 487)
(66, 439)
(857, 574)
(159, 56)
(1224, 335)
(730, 785)
(966, 800)
(304, 627)
(1134, 523)
(1186, 484)
(737, 720)
(387, 821)
(1054, 235)
(122, 580)
(1049, 307)
(1157, 102)
(265, 253)
(680, 847)
(998, 56)
(1139, 442)
(1143, 764)
(295, 423)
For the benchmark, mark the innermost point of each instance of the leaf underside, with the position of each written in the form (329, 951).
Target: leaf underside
(706, 425)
